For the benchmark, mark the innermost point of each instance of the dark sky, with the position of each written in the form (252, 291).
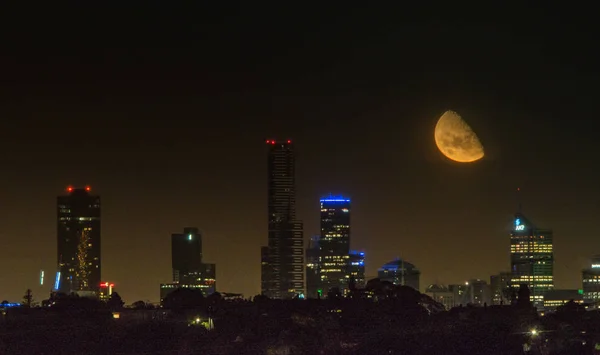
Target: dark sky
(164, 112)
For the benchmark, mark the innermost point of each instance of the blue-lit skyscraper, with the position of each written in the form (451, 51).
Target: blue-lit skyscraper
(334, 243)
(356, 268)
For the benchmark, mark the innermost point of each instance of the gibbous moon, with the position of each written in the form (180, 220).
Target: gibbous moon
(456, 140)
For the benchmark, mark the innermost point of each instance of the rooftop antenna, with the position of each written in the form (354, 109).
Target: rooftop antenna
(519, 205)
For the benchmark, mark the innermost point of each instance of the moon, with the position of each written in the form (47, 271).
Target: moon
(456, 140)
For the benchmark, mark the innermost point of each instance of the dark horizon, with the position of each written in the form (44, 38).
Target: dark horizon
(164, 113)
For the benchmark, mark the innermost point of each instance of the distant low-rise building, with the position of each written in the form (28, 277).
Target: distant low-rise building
(500, 288)
(555, 298)
(400, 272)
(441, 294)
(477, 292)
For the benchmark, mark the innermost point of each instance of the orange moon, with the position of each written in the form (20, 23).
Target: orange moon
(456, 140)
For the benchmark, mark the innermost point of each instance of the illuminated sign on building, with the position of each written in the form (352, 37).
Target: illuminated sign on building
(595, 266)
(518, 225)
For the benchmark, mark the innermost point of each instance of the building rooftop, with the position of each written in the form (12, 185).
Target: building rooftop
(398, 264)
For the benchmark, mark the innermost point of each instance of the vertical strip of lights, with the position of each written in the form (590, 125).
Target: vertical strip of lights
(57, 282)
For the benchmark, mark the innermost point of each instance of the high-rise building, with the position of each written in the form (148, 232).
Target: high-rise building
(356, 268)
(189, 270)
(499, 288)
(334, 243)
(78, 241)
(400, 272)
(531, 258)
(590, 280)
(284, 266)
(186, 254)
(313, 275)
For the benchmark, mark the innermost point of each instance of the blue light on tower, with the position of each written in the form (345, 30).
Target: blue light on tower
(335, 199)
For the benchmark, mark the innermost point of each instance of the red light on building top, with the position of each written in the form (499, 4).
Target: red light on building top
(272, 142)
(112, 285)
(70, 189)
(289, 141)
(268, 141)
(87, 188)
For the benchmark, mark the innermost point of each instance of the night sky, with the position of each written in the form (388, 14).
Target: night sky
(164, 113)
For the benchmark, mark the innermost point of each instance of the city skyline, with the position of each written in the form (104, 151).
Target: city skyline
(167, 124)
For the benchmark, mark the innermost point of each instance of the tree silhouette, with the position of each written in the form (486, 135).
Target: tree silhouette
(139, 305)
(115, 302)
(28, 299)
(184, 298)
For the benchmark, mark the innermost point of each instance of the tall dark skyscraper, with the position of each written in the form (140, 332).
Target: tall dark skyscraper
(334, 244)
(283, 261)
(189, 270)
(78, 241)
(531, 258)
(186, 253)
(313, 274)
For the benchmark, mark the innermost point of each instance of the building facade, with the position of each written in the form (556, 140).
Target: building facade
(78, 242)
(400, 272)
(590, 282)
(556, 298)
(356, 268)
(313, 275)
(500, 288)
(477, 293)
(441, 294)
(189, 269)
(532, 258)
(283, 273)
(334, 243)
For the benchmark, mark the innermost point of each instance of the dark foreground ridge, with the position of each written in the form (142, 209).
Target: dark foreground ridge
(382, 319)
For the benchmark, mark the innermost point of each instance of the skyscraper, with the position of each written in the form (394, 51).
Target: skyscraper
(186, 254)
(283, 261)
(78, 241)
(189, 270)
(590, 280)
(531, 258)
(334, 244)
(313, 274)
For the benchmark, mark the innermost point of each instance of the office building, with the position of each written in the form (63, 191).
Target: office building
(459, 293)
(186, 254)
(78, 242)
(283, 271)
(590, 281)
(500, 289)
(189, 269)
(477, 293)
(334, 243)
(532, 258)
(400, 272)
(356, 268)
(556, 298)
(313, 276)
(441, 294)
